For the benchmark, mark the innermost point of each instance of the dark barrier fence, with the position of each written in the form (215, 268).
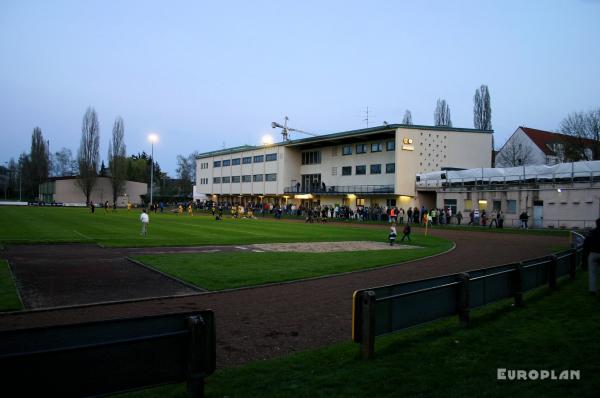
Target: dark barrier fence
(106, 357)
(387, 309)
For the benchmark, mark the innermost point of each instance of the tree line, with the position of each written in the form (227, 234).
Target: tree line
(482, 111)
(34, 168)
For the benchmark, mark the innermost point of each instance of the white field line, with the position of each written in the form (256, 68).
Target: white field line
(241, 247)
(83, 235)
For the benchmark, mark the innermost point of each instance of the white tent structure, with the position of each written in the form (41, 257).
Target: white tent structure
(560, 173)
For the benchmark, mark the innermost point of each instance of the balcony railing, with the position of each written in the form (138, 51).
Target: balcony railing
(342, 189)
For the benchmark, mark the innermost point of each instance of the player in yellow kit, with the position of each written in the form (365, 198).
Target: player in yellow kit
(190, 210)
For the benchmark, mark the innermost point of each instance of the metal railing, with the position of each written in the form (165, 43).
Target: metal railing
(387, 309)
(341, 189)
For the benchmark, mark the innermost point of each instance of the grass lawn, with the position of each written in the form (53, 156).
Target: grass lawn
(554, 331)
(217, 271)
(69, 225)
(30, 225)
(9, 300)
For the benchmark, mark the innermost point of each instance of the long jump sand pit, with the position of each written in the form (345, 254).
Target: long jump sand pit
(322, 247)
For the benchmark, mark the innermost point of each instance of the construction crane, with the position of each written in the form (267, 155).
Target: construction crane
(285, 130)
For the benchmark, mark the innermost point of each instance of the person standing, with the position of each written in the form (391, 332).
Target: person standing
(92, 207)
(406, 233)
(459, 217)
(500, 219)
(494, 220)
(145, 220)
(392, 235)
(591, 247)
(409, 215)
(401, 215)
(524, 217)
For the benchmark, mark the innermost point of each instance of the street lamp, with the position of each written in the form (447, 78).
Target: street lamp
(152, 138)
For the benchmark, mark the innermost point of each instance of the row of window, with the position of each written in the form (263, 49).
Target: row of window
(375, 147)
(204, 165)
(203, 181)
(390, 168)
(313, 157)
(270, 157)
(245, 178)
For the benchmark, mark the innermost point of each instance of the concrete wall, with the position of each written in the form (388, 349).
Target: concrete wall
(576, 206)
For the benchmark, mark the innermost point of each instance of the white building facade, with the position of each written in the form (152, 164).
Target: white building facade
(354, 168)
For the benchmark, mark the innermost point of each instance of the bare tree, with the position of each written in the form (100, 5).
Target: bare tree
(514, 153)
(186, 171)
(38, 161)
(117, 158)
(584, 127)
(63, 163)
(407, 118)
(89, 154)
(441, 115)
(482, 110)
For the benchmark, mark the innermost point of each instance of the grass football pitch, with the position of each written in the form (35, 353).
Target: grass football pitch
(26, 225)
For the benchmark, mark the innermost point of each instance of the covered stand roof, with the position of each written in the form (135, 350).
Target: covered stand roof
(576, 171)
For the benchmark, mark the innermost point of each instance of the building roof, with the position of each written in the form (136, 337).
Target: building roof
(545, 139)
(343, 134)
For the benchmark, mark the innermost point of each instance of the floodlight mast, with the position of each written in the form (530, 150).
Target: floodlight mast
(285, 130)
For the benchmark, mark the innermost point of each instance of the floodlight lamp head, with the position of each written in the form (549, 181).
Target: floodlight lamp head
(153, 138)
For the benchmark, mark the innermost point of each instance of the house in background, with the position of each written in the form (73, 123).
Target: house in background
(527, 146)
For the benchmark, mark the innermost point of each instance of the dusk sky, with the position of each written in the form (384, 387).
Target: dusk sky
(203, 75)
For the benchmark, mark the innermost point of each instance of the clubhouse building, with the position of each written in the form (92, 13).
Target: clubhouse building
(353, 168)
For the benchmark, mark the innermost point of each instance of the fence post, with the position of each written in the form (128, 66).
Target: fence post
(463, 299)
(195, 378)
(552, 271)
(573, 264)
(367, 342)
(518, 285)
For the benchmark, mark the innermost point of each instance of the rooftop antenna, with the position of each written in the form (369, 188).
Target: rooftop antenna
(367, 114)
(285, 130)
